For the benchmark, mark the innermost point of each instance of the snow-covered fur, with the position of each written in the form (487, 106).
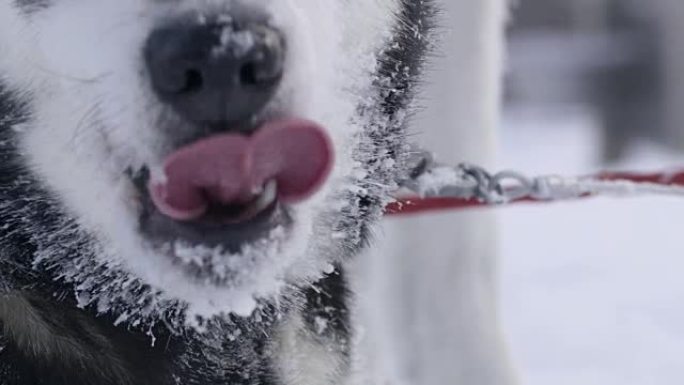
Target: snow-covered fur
(84, 297)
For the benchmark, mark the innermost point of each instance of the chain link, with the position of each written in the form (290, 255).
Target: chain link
(468, 181)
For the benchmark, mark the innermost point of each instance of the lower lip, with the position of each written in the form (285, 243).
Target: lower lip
(222, 216)
(217, 231)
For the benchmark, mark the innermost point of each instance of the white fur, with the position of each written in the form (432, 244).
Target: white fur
(95, 116)
(304, 360)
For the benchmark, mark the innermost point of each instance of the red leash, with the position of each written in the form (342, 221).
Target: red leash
(620, 183)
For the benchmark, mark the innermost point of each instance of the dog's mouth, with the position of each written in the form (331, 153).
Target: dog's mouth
(231, 190)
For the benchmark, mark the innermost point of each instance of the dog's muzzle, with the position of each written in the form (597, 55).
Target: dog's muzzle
(231, 179)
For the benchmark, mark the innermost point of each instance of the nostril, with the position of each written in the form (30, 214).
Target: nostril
(263, 71)
(194, 81)
(248, 74)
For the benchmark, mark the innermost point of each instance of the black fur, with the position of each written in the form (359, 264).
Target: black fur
(232, 351)
(396, 84)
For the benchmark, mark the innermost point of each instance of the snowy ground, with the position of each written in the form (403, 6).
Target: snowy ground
(592, 292)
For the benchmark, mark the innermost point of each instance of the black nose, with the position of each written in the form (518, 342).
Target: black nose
(216, 72)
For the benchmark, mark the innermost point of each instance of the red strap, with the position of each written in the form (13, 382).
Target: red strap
(417, 205)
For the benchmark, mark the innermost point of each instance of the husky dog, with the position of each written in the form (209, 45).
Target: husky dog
(181, 182)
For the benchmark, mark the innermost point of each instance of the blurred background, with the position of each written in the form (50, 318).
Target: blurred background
(593, 291)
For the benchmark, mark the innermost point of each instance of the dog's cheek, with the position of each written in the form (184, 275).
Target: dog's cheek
(368, 25)
(83, 98)
(315, 78)
(92, 60)
(311, 35)
(18, 51)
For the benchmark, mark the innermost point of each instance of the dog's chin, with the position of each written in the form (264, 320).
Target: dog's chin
(226, 244)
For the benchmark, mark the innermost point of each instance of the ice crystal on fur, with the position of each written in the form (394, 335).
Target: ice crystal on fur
(61, 246)
(217, 266)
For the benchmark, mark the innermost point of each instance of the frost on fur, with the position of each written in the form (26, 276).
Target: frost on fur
(72, 129)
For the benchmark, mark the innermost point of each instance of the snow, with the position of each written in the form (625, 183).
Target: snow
(592, 290)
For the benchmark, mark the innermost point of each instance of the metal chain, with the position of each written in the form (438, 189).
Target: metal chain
(466, 181)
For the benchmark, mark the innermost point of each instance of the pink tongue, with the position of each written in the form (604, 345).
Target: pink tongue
(231, 169)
